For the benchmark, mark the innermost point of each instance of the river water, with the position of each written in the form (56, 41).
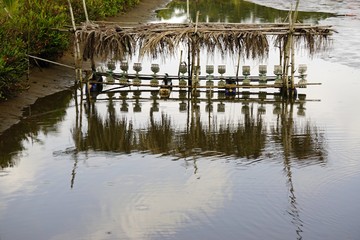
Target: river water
(133, 166)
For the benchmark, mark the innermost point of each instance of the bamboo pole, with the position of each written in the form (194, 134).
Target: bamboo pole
(285, 64)
(187, 10)
(195, 53)
(197, 21)
(189, 62)
(78, 70)
(197, 67)
(192, 60)
(287, 49)
(86, 12)
(56, 63)
(181, 53)
(292, 46)
(241, 25)
(238, 66)
(289, 52)
(281, 53)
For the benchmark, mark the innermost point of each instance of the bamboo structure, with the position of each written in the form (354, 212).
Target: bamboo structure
(110, 40)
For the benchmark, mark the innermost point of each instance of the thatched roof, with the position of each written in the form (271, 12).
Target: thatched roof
(112, 40)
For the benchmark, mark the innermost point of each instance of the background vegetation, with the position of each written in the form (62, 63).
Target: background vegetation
(28, 27)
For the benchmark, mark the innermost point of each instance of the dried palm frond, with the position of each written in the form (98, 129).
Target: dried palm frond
(164, 39)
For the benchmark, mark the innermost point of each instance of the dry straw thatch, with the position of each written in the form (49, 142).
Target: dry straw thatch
(163, 39)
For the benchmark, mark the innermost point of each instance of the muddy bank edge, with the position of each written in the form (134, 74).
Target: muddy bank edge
(44, 82)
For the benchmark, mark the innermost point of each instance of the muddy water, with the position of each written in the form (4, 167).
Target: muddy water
(133, 166)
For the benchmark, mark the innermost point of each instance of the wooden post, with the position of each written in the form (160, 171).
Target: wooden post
(237, 73)
(197, 21)
(281, 53)
(192, 60)
(78, 70)
(292, 47)
(189, 62)
(292, 85)
(187, 10)
(197, 67)
(195, 51)
(85, 10)
(181, 53)
(238, 67)
(287, 49)
(93, 65)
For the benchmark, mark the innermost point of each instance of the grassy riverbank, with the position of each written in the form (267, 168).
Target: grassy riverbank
(32, 28)
(46, 81)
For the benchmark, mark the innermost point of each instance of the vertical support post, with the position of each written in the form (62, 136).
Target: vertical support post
(78, 70)
(195, 51)
(197, 67)
(190, 46)
(192, 60)
(187, 10)
(238, 66)
(181, 53)
(292, 63)
(85, 10)
(189, 62)
(292, 46)
(93, 65)
(197, 21)
(288, 52)
(287, 49)
(281, 53)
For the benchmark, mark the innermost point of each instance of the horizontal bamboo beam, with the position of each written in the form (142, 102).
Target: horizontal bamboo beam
(203, 24)
(56, 63)
(214, 27)
(200, 87)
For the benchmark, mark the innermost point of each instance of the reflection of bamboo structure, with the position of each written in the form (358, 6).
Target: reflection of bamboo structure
(110, 135)
(251, 138)
(287, 131)
(246, 139)
(299, 143)
(293, 209)
(158, 137)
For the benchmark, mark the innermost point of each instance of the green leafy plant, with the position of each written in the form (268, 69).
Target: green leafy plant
(13, 63)
(32, 25)
(38, 22)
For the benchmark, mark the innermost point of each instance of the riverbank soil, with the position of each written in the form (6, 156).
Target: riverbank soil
(47, 81)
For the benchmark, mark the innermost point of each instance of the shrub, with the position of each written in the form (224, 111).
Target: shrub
(38, 22)
(31, 29)
(13, 62)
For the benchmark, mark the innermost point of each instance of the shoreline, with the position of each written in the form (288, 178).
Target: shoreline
(47, 81)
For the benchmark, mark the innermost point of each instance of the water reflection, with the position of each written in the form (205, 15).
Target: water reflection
(288, 138)
(42, 116)
(300, 140)
(204, 133)
(232, 11)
